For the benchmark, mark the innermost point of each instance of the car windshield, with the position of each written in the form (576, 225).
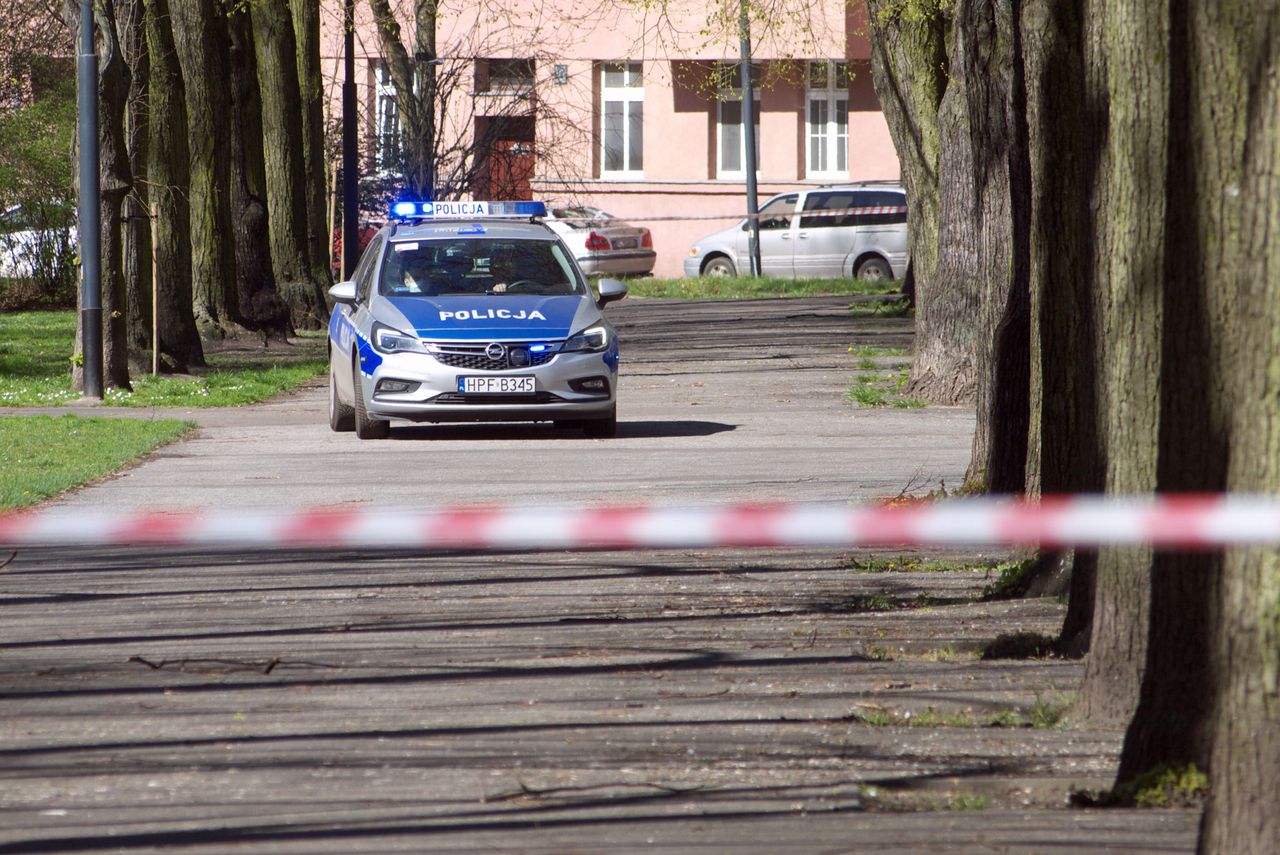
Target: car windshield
(472, 266)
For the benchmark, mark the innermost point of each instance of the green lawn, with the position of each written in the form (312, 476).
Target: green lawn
(35, 369)
(46, 455)
(41, 456)
(730, 287)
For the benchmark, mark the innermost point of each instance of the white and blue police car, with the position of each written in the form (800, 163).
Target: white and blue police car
(471, 311)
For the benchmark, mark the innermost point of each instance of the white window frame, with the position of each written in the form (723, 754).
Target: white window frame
(730, 92)
(386, 130)
(826, 139)
(629, 97)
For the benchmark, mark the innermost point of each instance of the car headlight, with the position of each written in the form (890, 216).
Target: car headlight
(590, 340)
(390, 340)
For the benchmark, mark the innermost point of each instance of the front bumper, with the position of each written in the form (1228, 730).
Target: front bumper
(693, 266)
(436, 397)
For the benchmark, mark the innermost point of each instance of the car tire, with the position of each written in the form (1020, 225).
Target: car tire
(605, 428)
(366, 428)
(342, 418)
(719, 266)
(874, 267)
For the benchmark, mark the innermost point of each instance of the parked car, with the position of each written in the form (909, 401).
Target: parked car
(601, 243)
(854, 230)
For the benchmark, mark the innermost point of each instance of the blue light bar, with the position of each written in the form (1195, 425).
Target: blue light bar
(409, 210)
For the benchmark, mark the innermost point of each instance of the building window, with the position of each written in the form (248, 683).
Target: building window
(731, 149)
(387, 129)
(505, 76)
(827, 125)
(622, 118)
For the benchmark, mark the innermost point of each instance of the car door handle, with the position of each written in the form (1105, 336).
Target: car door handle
(803, 235)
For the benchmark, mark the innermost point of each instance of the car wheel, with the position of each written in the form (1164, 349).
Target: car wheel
(342, 418)
(605, 428)
(719, 266)
(873, 268)
(366, 428)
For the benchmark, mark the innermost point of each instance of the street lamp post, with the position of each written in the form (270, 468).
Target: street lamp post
(749, 139)
(90, 191)
(350, 165)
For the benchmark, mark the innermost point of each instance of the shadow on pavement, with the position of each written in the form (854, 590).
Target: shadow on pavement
(525, 432)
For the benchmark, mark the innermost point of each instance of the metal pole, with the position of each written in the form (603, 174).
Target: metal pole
(749, 130)
(155, 286)
(90, 191)
(350, 166)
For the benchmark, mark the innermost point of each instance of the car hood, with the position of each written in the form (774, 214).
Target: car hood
(494, 317)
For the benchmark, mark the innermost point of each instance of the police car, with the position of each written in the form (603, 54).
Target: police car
(471, 311)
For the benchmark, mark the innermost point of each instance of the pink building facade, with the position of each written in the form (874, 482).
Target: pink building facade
(639, 113)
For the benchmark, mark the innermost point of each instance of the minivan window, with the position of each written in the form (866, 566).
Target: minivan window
(776, 214)
(844, 200)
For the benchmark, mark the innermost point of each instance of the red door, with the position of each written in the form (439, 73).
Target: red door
(511, 170)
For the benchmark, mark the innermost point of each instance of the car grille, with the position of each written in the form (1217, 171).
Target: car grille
(483, 400)
(473, 356)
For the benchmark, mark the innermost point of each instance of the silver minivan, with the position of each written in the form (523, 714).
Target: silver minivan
(853, 230)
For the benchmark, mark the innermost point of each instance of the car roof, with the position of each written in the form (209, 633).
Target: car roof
(481, 228)
(864, 185)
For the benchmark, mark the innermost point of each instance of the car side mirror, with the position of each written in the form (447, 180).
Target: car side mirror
(344, 292)
(611, 290)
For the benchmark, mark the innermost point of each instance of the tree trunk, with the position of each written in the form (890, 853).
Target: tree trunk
(276, 53)
(1245, 773)
(1063, 117)
(200, 36)
(169, 176)
(1209, 693)
(115, 181)
(401, 68)
(306, 31)
(261, 306)
(1130, 203)
(137, 224)
(910, 69)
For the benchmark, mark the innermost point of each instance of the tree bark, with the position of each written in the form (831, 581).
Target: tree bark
(911, 71)
(306, 30)
(137, 225)
(200, 36)
(169, 177)
(261, 306)
(276, 54)
(1130, 204)
(1064, 113)
(1209, 694)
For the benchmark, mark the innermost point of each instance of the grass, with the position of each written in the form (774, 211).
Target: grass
(47, 455)
(1162, 787)
(35, 366)
(740, 287)
(880, 390)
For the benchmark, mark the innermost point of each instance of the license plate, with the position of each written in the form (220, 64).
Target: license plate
(624, 243)
(497, 385)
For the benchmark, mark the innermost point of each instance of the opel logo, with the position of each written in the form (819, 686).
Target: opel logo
(495, 351)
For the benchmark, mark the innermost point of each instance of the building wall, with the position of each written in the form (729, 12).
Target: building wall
(680, 196)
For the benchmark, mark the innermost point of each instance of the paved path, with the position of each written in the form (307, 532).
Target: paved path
(681, 701)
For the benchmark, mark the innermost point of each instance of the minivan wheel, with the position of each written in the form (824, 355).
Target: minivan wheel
(873, 268)
(366, 428)
(719, 266)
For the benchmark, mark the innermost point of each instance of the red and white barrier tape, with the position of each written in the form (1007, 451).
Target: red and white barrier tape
(1167, 521)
